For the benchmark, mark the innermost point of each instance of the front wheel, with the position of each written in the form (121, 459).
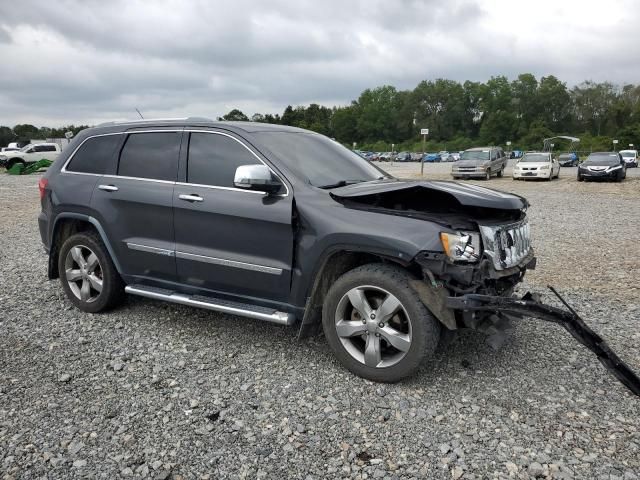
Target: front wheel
(88, 276)
(487, 175)
(376, 325)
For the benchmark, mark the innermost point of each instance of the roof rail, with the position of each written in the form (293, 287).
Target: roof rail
(151, 120)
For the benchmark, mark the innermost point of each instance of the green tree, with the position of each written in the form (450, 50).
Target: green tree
(235, 115)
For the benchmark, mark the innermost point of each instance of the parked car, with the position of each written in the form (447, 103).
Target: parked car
(603, 166)
(9, 149)
(403, 157)
(569, 159)
(30, 154)
(416, 156)
(516, 154)
(386, 157)
(445, 156)
(456, 156)
(630, 157)
(536, 165)
(432, 157)
(481, 162)
(171, 210)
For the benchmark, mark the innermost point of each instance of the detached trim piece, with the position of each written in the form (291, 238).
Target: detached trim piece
(229, 263)
(530, 306)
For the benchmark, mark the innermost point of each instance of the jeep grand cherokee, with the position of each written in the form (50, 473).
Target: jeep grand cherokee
(279, 224)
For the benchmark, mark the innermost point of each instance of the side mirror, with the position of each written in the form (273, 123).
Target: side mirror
(256, 177)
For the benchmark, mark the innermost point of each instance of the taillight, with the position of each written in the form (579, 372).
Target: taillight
(42, 186)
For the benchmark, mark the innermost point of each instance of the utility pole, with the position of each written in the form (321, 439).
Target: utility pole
(424, 132)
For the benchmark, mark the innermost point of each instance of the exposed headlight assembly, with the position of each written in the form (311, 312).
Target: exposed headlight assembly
(461, 246)
(611, 169)
(544, 167)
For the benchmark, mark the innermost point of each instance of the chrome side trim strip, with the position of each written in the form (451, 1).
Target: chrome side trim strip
(281, 318)
(232, 189)
(229, 263)
(148, 249)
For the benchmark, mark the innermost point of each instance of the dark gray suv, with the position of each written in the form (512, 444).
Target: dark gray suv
(279, 224)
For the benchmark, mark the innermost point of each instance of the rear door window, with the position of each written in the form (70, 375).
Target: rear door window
(152, 155)
(95, 155)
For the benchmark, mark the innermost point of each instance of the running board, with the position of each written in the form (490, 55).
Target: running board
(216, 304)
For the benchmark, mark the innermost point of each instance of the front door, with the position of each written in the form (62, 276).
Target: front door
(230, 240)
(135, 206)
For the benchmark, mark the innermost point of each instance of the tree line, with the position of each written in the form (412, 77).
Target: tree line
(458, 115)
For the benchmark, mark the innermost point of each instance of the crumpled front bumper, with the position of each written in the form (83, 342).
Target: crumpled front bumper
(531, 306)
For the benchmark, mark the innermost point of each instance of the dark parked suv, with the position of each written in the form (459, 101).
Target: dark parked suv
(279, 224)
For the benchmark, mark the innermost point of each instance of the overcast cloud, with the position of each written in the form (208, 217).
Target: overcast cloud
(88, 61)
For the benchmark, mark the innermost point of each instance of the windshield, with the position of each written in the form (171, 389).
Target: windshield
(535, 157)
(317, 159)
(475, 155)
(628, 153)
(602, 159)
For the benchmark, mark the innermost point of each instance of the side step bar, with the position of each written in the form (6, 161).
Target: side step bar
(217, 304)
(531, 306)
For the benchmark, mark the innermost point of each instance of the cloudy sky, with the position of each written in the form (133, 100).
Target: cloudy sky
(88, 61)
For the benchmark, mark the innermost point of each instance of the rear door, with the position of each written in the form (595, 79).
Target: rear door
(230, 240)
(135, 204)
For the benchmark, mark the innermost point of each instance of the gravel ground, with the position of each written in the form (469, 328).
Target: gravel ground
(154, 390)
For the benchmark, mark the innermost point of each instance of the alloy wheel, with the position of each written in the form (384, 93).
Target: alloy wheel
(83, 273)
(373, 326)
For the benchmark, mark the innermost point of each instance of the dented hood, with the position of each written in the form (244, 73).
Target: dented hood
(466, 194)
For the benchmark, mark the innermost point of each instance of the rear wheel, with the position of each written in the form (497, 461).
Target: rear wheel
(14, 161)
(376, 325)
(501, 172)
(88, 275)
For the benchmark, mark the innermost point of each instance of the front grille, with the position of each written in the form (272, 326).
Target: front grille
(506, 245)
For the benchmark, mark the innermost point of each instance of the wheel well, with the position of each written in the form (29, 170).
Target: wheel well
(334, 266)
(63, 229)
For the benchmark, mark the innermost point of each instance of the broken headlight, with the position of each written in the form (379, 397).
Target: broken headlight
(461, 246)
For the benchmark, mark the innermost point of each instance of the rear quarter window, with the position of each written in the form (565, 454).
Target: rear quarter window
(95, 155)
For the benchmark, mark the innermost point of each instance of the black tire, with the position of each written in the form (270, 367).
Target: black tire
(14, 161)
(425, 328)
(488, 175)
(112, 293)
(501, 172)
(580, 178)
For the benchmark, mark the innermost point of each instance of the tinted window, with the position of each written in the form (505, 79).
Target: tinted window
(150, 155)
(95, 155)
(213, 159)
(49, 148)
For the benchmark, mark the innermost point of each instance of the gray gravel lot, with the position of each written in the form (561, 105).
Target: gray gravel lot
(154, 390)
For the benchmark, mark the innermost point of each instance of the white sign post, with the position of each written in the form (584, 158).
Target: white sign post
(424, 132)
(615, 142)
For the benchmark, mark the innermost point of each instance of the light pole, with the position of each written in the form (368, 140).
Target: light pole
(509, 147)
(615, 142)
(424, 132)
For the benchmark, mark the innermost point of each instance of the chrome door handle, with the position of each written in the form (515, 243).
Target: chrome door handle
(108, 188)
(190, 198)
